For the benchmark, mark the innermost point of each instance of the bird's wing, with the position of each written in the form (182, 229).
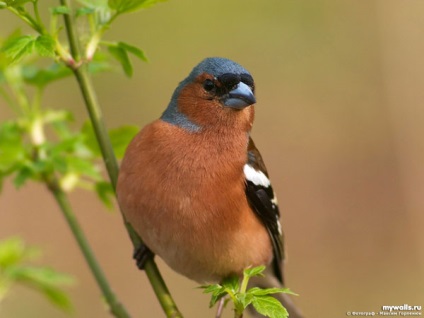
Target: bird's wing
(263, 202)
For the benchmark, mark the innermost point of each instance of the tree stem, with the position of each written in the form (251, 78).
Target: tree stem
(115, 307)
(96, 117)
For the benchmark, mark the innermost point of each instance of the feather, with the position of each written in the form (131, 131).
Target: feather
(261, 198)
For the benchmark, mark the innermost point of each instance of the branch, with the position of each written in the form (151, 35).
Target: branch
(115, 307)
(96, 117)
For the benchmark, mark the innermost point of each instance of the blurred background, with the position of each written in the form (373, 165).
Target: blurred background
(340, 123)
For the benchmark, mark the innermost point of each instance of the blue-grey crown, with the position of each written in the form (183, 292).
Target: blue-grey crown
(217, 66)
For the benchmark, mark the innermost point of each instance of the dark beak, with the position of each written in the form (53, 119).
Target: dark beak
(240, 97)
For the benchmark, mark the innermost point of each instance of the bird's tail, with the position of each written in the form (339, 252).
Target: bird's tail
(270, 281)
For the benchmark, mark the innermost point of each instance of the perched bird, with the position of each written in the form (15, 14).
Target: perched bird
(194, 186)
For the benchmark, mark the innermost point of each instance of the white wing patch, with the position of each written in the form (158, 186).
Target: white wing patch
(279, 225)
(256, 177)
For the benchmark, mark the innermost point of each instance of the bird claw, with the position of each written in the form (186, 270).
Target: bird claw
(141, 255)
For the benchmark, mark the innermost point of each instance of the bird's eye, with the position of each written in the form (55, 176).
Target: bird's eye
(208, 85)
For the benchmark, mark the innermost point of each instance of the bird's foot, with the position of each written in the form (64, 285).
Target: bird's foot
(141, 255)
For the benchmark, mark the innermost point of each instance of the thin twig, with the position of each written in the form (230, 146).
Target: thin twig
(115, 307)
(96, 117)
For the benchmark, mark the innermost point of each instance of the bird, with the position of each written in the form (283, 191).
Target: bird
(195, 188)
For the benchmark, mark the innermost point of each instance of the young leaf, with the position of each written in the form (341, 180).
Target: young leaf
(217, 292)
(58, 297)
(123, 6)
(45, 45)
(57, 116)
(12, 150)
(99, 65)
(121, 56)
(13, 251)
(269, 307)
(105, 192)
(83, 167)
(245, 299)
(41, 77)
(65, 146)
(22, 176)
(15, 3)
(42, 276)
(268, 291)
(60, 10)
(254, 271)
(89, 139)
(84, 11)
(134, 50)
(121, 137)
(47, 281)
(94, 4)
(18, 47)
(231, 283)
(215, 288)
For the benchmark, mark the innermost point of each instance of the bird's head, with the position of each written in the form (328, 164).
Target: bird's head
(217, 93)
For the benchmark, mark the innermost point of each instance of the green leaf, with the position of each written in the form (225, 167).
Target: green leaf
(120, 52)
(62, 130)
(94, 4)
(60, 165)
(41, 77)
(105, 192)
(217, 292)
(13, 251)
(83, 167)
(89, 139)
(121, 56)
(254, 271)
(60, 10)
(12, 150)
(40, 167)
(55, 116)
(133, 50)
(84, 11)
(15, 3)
(231, 283)
(99, 64)
(245, 299)
(215, 299)
(123, 6)
(65, 146)
(45, 45)
(42, 276)
(5, 60)
(269, 307)
(262, 292)
(58, 297)
(215, 288)
(22, 176)
(47, 281)
(121, 137)
(18, 47)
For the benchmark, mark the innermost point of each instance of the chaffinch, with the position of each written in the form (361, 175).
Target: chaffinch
(194, 186)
